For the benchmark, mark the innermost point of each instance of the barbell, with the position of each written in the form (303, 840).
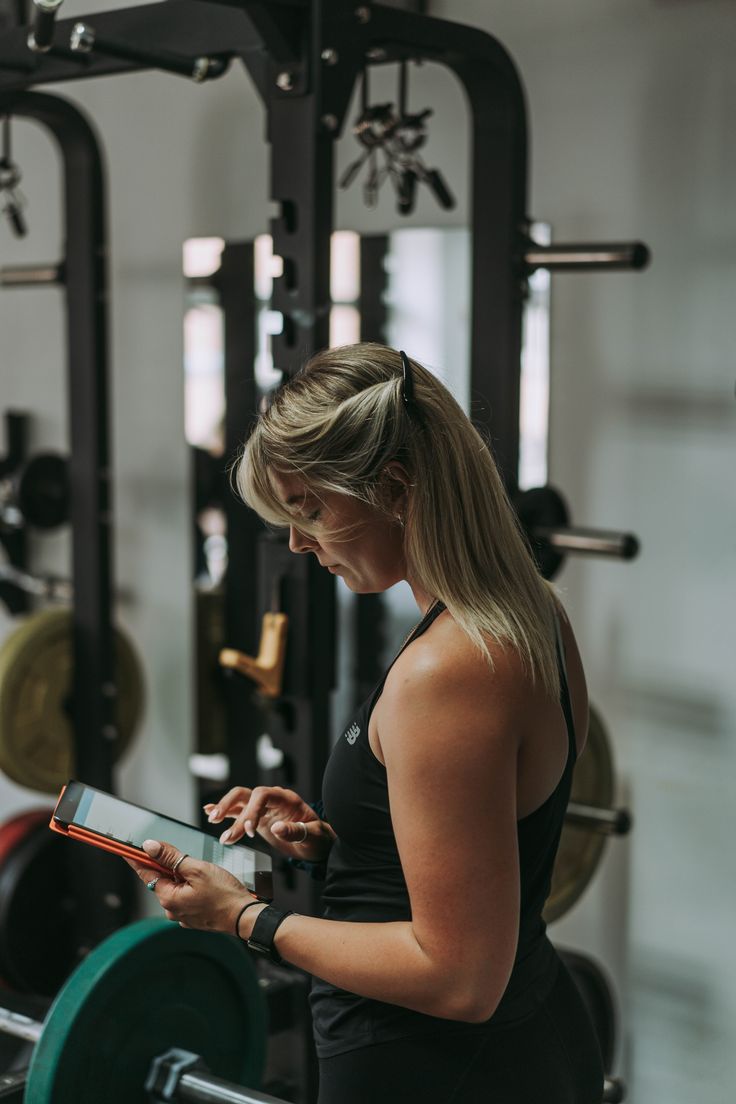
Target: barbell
(142, 1019)
(545, 519)
(149, 987)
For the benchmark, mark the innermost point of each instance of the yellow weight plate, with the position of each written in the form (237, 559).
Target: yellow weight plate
(580, 849)
(36, 736)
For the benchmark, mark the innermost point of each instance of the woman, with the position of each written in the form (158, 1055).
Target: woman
(444, 798)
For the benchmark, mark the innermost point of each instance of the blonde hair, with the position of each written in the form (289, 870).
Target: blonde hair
(341, 420)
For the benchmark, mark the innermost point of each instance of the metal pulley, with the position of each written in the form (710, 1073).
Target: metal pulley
(589, 820)
(36, 734)
(545, 519)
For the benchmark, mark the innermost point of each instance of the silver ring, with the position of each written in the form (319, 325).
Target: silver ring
(152, 884)
(181, 859)
(304, 829)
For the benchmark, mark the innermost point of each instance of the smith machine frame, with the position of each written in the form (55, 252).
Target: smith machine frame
(304, 57)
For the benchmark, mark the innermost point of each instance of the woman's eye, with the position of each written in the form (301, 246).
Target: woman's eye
(315, 516)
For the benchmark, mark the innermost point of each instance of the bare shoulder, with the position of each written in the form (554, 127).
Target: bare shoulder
(443, 673)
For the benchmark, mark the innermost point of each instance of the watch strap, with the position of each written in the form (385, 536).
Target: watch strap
(264, 932)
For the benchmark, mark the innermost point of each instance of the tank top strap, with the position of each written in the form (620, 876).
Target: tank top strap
(565, 688)
(432, 613)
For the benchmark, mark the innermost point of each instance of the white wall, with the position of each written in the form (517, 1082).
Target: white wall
(631, 106)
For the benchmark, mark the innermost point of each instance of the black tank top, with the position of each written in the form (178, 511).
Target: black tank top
(364, 882)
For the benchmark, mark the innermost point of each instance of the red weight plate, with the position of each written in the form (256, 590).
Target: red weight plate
(12, 832)
(37, 947)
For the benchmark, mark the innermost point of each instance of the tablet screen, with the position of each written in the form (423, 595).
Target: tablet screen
(131, 824)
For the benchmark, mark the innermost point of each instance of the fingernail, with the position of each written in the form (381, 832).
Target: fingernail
(249, 829)
(214, 815)
(225, 836)
(151, 847)
(278, 827)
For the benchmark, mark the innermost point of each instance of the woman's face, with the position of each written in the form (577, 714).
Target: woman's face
(367, 551)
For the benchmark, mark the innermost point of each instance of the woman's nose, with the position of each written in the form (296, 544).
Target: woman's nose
(300, 542)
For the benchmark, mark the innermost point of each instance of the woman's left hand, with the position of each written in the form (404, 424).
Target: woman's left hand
(199, 895)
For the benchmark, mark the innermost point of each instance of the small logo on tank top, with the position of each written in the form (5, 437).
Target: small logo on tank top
(352, 734)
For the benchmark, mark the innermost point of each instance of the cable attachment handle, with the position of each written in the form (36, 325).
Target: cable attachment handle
(12, 199)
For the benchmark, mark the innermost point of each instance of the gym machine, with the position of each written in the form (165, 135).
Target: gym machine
(304, 59)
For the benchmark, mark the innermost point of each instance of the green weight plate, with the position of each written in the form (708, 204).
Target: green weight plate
(149, 987)
(36, 737)
(581, 850)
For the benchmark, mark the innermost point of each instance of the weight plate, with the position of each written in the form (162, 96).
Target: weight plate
(43, 492)
(149, 987)
(36, 736)
(542, 507)
(597, 996)
(580, 849)
(15, 829)
(35, 901)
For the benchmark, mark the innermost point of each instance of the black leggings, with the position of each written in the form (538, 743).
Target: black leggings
(551, 1058)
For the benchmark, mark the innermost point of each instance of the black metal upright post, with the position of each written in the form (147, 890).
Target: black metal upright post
(100, 884)
(234, 281)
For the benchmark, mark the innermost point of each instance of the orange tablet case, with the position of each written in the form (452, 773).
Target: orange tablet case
(104, 842)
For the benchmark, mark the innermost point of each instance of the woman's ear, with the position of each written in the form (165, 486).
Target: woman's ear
(396, 485)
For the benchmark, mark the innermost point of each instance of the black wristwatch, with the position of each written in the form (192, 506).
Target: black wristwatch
(264, 931)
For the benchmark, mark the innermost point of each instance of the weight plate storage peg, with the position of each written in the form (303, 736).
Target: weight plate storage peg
(149, 987)
(580, 848)
(36, 735)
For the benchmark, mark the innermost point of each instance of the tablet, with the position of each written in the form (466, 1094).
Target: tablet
(93, 816)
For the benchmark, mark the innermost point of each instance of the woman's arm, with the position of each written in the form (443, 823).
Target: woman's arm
(449, 735)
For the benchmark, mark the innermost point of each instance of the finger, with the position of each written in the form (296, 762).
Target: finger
(235, 832)
(291, 831)
(230, 804)
(165, 854)
(148, 874)
(257, 805)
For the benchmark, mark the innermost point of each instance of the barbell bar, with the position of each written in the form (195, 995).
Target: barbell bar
(52, 588)
(608, 822)
(545, 518)
(591, 257)
(39, 275)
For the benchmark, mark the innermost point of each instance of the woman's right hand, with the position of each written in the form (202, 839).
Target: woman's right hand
(277, 815)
